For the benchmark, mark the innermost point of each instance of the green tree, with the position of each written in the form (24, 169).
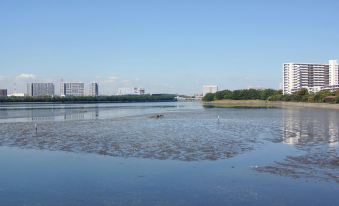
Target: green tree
(266, 93)
(236, 94)
(219, 95)
(228, 94)
(208, 97)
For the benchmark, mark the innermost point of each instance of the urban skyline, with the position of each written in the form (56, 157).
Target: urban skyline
(69, 89)
(125, 44)
(312, 76)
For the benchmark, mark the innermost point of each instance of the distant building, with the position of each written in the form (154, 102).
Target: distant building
(164, 94)
(314, 77)
(17, 94)
(131, 91)
(40, 89)
(94, 89)
(333, 72)
(3, 92)
(256, 87)
(72, 89)
(209, 89)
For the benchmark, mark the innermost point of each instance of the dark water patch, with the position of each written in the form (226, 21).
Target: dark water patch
(322, 166)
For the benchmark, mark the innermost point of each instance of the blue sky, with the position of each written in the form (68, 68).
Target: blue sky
(163, 45)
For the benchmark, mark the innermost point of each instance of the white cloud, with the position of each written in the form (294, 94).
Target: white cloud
(2, 78)
(25, 76)
(110, 79)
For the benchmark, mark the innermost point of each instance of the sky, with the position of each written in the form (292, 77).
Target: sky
(165, 46)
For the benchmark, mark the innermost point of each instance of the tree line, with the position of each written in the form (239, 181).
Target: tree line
(90, 99)
(241, 94)
(303, 95)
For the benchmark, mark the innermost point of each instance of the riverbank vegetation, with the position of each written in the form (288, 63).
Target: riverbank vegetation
(302, 95)
(242, 94)
(89, 99)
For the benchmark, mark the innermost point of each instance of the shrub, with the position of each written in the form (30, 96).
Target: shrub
(208, 97)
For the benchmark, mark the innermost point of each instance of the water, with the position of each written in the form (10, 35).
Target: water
(120, 154)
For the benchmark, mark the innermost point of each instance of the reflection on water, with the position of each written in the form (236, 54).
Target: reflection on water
(302, 127)
(315, 134)
(61, 112)
(85, 115)
(50, 114)
(89, 114)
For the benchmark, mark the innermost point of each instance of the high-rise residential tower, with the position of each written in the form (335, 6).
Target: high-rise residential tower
(72, 89)
(313, 77)
(333, 72)
(40, 89)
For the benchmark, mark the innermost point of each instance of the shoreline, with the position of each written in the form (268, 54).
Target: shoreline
(83, 102)
(268, 104)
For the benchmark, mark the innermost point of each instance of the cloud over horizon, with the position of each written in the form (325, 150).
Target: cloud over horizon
(25, 76)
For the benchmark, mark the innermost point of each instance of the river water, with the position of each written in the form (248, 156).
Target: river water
(122, 154)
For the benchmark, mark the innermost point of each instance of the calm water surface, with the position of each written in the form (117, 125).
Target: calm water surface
(119, 154)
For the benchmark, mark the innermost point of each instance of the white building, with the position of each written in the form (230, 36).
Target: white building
(15, 94)
(313, 77)
(209, 89)
(72, 89)
(131, 91)
(333, 72)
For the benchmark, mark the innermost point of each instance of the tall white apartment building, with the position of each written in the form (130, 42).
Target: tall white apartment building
(334, 72)
(72, 89)
(209, 89)
(313, 77)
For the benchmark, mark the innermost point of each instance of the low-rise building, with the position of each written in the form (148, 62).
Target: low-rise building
(15, 94)
(3, 92)
(131, 91)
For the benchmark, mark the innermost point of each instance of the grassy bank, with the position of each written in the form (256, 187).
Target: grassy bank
(268, 104)
(303, 95)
